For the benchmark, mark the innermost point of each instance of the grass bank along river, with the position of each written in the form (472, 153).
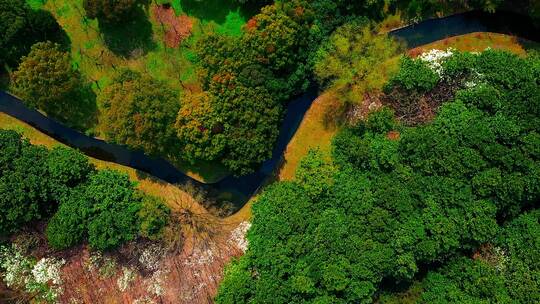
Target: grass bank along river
(239, 189)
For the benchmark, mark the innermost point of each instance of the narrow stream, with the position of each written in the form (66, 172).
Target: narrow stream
(240, 189)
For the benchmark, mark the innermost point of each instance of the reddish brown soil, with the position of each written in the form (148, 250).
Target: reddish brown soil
(177, 28)
(189, 276)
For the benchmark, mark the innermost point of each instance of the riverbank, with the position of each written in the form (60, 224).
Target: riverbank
(316, 131)
(196, 270)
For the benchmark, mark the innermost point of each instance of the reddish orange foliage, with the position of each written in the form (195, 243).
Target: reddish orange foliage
(270, 48)
(393, 135)
(299, 11)
(415, 52)
(176, 28)
(251, 24)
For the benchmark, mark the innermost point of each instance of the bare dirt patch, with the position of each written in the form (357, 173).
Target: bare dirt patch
(176, 28)
(190, 275)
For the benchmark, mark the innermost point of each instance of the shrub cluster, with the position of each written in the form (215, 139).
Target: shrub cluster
(101, 206)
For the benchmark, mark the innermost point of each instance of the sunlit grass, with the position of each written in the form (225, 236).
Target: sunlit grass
(314, 132)
(477, 42)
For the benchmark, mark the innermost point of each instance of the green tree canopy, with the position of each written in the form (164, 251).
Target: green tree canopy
(504, 272)
(388, 205)
(355, 61)
(140, 112)
(33, 179)
(104, 210)
(46, 80)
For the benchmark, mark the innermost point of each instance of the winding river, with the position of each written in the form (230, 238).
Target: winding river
(242, 188)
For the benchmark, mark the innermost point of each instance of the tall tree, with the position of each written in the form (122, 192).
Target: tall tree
(21, 27)
(355, 61)
(140, 112)
(46, 80)
(200, 128)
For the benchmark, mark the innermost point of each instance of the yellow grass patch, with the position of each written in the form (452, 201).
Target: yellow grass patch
(315, 131)
(477, 42)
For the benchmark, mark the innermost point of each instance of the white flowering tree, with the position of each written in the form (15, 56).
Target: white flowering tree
(40, 278)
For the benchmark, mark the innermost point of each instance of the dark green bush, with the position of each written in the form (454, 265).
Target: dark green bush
(381, 121)
(67, 227)
(25, 190)
(505, 272)
(393, 205)
(101, 206)
(67, 168)
(414, 75)
(153, 216)
(114, 204)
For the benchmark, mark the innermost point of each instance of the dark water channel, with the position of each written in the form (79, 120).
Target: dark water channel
(240, 189)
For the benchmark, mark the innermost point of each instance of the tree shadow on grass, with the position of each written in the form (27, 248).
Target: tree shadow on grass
(217, 10)
(130, 39)
(46, 28)
(39, 26)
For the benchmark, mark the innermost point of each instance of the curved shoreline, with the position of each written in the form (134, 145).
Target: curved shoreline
(242, 188)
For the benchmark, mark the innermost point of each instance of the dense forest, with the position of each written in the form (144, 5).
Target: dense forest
(400, 195)
(101, 206)
(431, 197)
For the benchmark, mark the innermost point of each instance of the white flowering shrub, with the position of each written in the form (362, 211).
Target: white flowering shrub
(93, 261)
(156, 282)
(238, 236)
(502, 259)
(125, 279)
(41, 278)
(106, 266)
(151, 256)
(200, 257)
(434, 58)
(15, 266)
(48, 270)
